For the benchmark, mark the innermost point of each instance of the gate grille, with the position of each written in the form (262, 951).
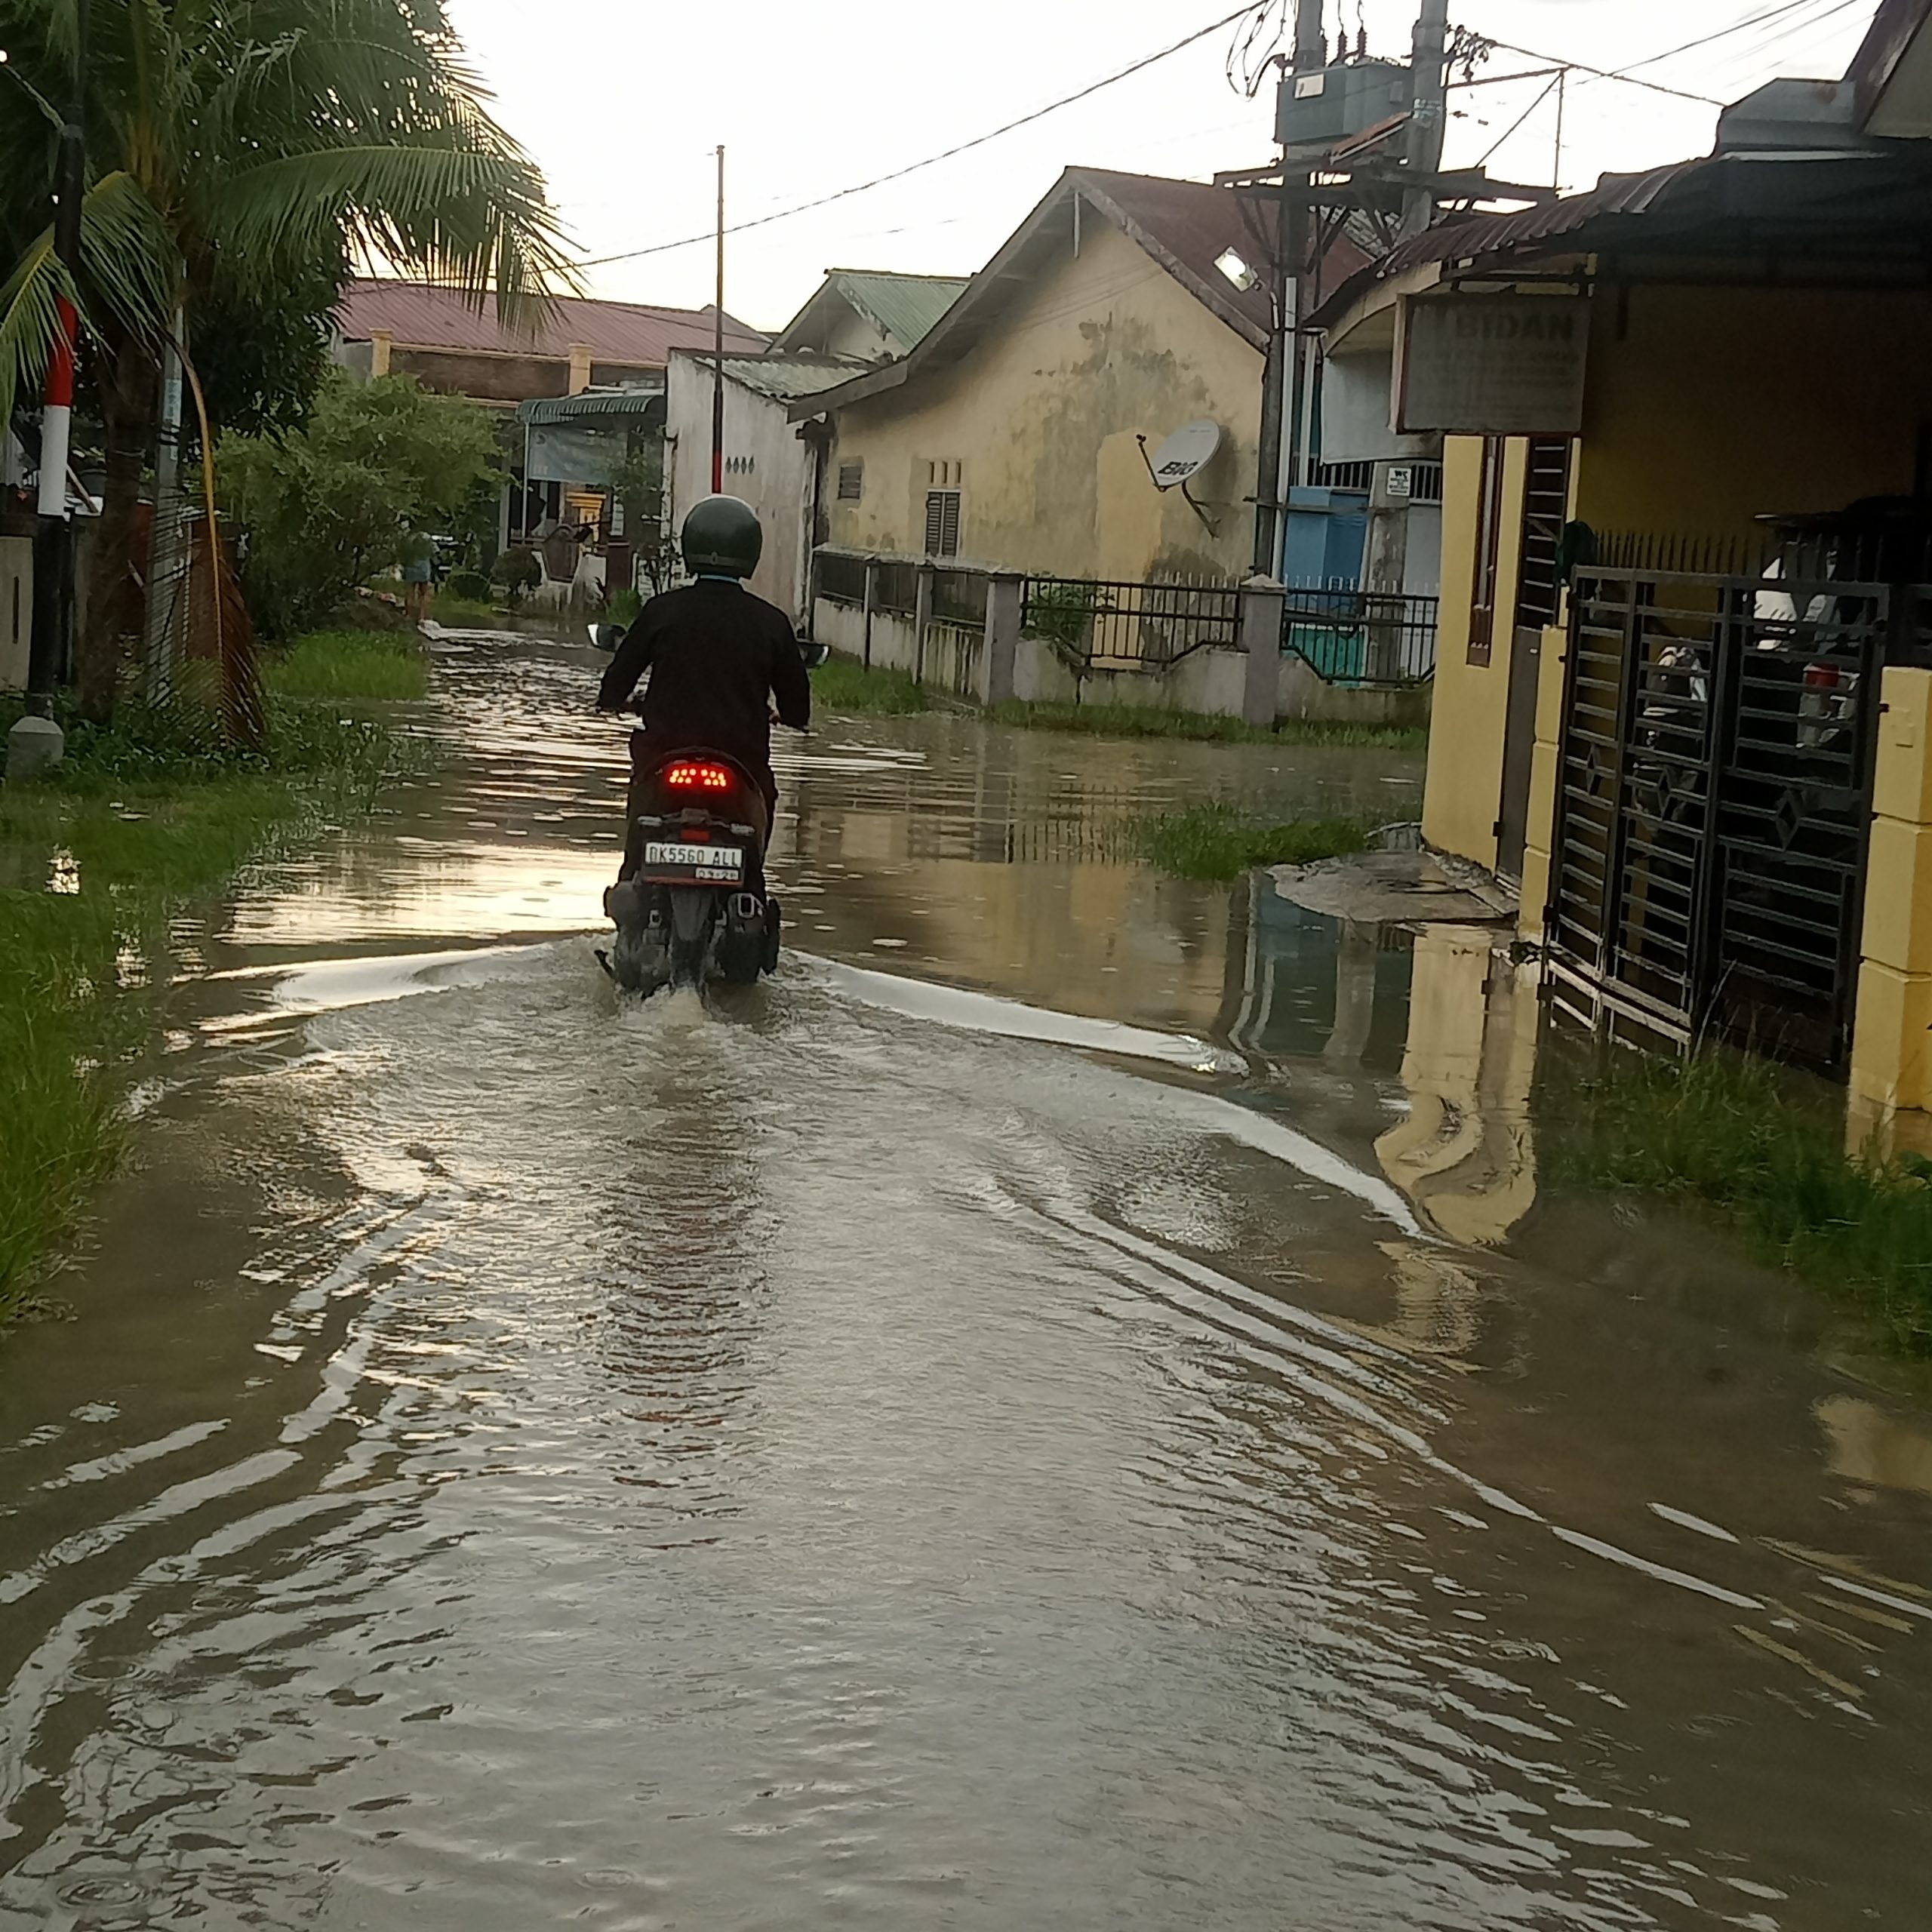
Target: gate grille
(1714, 804)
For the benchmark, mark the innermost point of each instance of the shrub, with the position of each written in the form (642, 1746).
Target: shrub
(471, 586)
(519, 573)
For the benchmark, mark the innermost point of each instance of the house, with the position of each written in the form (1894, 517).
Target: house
(869, 315)
(438, 336)
(1016, 434)
(855, 319)
(1682, 694)
(768, 461)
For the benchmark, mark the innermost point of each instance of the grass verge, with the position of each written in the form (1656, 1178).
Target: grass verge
(1128, 720)
(358, 665)
(1220, 842)
(1737, 1138)
(93, 863)
(464, 613)
(844, 685)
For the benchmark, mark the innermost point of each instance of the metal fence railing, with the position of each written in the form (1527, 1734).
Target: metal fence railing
(1366, 638)
(840, 578)
(1131, 626)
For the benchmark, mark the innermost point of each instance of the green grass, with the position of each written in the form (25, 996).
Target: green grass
(1739, 1139)
(92, 862)
(845, 686)
(1128, 720)
(464, 613)
(1220, 841)
(348, 667)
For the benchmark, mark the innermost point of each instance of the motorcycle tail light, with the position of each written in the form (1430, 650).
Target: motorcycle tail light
(698, 777)
(1822, 677)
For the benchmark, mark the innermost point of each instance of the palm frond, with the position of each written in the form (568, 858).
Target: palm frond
(130, 265)
(30, 321)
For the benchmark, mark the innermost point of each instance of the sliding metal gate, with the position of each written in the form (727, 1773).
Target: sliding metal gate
(1714, 806)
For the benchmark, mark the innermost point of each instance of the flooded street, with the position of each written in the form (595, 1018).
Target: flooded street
(1064, 1407)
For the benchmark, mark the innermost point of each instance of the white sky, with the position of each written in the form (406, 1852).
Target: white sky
(622, 102)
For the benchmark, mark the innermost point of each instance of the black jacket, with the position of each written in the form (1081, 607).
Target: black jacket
(717, 655)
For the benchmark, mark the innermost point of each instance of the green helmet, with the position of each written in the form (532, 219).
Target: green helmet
(722, 538)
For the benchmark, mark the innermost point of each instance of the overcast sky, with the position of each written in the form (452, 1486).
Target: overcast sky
(622, 102)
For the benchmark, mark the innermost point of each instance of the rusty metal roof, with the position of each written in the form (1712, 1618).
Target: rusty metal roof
(635, 335)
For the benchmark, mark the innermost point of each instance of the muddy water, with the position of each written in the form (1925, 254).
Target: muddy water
(1063, 1406)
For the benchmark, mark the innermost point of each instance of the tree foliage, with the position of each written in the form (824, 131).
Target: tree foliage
(321, 509)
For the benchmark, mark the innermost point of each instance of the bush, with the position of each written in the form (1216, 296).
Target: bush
(519, 573)
(471, 586)
(623, 607)
(320, 511)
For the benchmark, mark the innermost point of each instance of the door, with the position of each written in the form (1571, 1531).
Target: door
(1538, 593)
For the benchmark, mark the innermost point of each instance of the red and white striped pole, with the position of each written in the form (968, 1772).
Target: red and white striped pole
(56, 418)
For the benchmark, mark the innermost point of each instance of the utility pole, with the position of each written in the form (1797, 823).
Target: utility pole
(1283, 386)
(35, 743)
(717, 348)
(1428, 110)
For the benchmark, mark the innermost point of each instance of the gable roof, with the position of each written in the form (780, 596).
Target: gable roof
(1896, 49)
(903, 308)
(1185, 226)
(422, 316)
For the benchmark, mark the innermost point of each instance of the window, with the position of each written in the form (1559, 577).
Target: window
(1489, 531)
(1545, 509)
(942, 523)
(851, 482)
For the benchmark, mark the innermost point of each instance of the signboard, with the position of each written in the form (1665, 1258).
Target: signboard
(580, 455)
(1491, 365)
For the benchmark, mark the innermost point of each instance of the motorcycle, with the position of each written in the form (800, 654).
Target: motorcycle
(696, 912)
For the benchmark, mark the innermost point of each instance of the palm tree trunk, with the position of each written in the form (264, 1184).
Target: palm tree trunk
(116, 605)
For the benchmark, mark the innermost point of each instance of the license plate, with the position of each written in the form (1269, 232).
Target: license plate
(707, 865)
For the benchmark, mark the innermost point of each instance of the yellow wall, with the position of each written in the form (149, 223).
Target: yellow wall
(1707, 408)
(1041, 418)
(1891, 1057)
(1464, 794)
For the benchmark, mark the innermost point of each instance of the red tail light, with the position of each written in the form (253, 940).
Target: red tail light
(698, 777)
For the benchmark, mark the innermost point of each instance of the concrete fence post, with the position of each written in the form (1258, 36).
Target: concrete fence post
(1263, 601)
(871, 605)
(999, 656)
(1891, 1055)
(922, 618)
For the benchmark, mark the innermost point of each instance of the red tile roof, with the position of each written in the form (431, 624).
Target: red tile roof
(420, 316)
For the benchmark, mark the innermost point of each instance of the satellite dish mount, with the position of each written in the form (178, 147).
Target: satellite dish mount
(1182, 458)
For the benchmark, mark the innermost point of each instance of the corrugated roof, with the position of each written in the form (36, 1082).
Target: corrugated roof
(785, 378)
(639, 405)
(904, 307)
(420, 315)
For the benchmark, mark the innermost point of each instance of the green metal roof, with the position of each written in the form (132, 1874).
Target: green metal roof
(639, 403)
(786, 378)
(905, 306)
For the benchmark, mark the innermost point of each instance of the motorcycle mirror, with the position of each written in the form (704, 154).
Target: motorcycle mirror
(814, 653)
(607, 637)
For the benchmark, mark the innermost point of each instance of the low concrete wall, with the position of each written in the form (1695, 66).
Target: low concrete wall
(1210, 683)
(16, 610)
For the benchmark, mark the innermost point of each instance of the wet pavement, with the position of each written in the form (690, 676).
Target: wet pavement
(1065, 1406)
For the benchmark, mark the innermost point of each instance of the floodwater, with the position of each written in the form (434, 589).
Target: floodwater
(1066, 1407)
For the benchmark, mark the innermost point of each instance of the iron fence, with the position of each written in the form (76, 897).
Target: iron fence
(1103, 626)
(959, 597)
(1366, 638)
(1714, 802)
(841, 578)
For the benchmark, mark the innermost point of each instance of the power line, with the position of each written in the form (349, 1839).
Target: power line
(1722, 33)
(933, 160)
(1605, 74)
(1549, 89)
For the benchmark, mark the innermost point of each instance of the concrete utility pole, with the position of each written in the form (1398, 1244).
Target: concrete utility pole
(1428, 118)
(35, 743)
(717, 348)
(1282, 385)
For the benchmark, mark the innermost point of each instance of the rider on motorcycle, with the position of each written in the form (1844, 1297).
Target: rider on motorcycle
(719, 659)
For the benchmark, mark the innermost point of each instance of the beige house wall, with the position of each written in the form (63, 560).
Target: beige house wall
(1039, 423)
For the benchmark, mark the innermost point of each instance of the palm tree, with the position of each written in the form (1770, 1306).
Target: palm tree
(235, 148)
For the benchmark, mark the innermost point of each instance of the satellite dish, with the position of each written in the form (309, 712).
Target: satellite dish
(1184, 455)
